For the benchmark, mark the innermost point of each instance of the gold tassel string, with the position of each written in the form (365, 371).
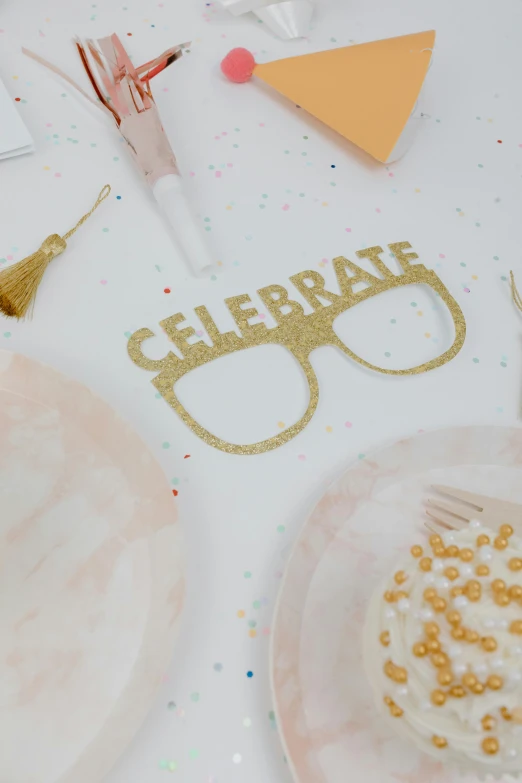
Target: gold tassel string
(19, 282)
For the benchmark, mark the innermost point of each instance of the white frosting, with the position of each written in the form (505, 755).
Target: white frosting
(458, 720)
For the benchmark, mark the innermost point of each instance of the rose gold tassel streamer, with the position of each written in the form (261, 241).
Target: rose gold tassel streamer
(19, 282)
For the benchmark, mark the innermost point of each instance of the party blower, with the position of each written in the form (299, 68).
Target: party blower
(123, 91)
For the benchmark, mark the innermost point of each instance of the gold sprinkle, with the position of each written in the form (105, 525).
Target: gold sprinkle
(515, 564)
(388, 701)
(500, 543)
(389, 596)
(439, 605)
(471, 636)
(488, 722)
(452, 573)
(494, 682)
(431, 630)
(457, 691)
(438, 698)
(478, 688)
(400, 577)
(516, 627)
(489, 643)
(482, 570)
(444, 676)
(425, 564)
(435, 540)
(439, 551)
(400, 674)
(416, 551)
(458, 633)
(433, 645)
(439, 742)
(483, 540)
(385, 638)
(515, 592)
(396, 711)
(490, 745)
(498, 585)
(466, 555)
(453, 617)
(429, 594)
(456, 591)
(389, 669)
(452, 551)
(419, 649)
(506, 713)
(502, 599)
(439, 659)
(506, 531)
(400, 594)
(469, 680)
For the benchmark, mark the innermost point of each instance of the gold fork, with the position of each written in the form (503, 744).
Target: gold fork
(445, 514)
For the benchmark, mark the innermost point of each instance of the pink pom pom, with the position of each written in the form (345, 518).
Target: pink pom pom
(238, 65)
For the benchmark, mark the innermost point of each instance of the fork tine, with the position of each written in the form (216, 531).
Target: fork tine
(455, 523)
(451, 508)
(436, 527)
(460, 494)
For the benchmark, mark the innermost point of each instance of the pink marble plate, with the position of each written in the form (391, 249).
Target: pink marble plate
(91, 578)
(331, 729)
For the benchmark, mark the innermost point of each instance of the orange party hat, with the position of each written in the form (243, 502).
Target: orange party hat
(367, 92)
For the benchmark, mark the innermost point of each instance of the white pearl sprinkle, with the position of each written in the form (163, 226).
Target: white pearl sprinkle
(516, 728)
(512, 753)
(438, 566)
(485, 554)
(475, 524)
(403, 605)
(402, 691)
(466, 570)
(502, 624)
(450, 538)
(390, 613)
(515, 677)
(425, 706)
(429, 578)
(497, 663)
(442, 583)
(426, 614)
(460, 668)
(460, 602)
(481, 668)
(516, 649)
(489, 622)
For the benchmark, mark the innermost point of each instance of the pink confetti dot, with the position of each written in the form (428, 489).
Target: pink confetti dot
(348, 424)
(230, 165)
(9, 258)
(57, 174)
(103, 282)
(302, 457)
(377, 209)
(48, 125)
(520, 145)
(224, 133)
(223, 35)
(218, 174)
(391, 174)
(262, 316)
(199, 333)
(467, 290)
(324, 260)
(441, 255)
(192, 173)
(266, 631)
(285, 207)
(348, 230)
(217, 138)
(261, 124)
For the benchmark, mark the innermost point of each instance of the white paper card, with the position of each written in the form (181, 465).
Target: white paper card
(15, 139)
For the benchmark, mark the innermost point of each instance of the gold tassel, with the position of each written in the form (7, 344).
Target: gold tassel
(517, 299)
(19, 282)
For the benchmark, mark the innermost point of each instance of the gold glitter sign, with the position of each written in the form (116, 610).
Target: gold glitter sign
(298, 332)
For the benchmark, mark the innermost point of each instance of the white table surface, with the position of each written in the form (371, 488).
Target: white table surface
(260, 174)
